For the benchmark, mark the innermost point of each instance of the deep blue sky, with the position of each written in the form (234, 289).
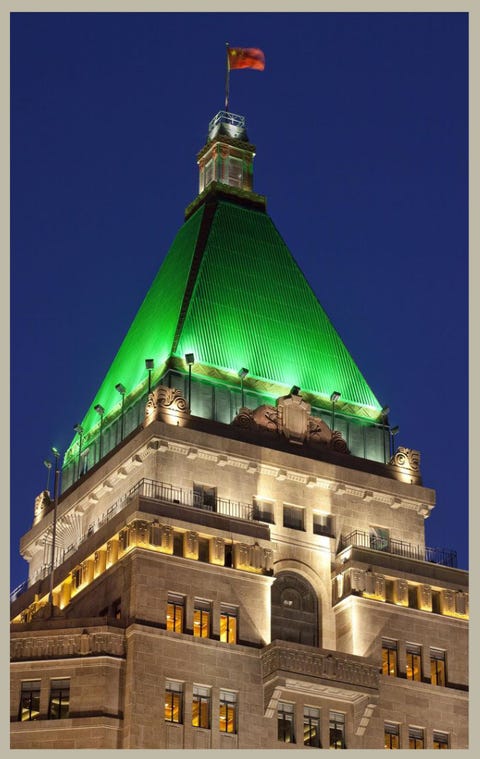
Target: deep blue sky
(360, 123)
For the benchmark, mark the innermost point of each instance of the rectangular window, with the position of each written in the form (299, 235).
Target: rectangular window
(263, 510)
(389, 657)
(204, 497)
(235, 172)
(437, 667)
(440, 740)
(228, 624)
(29, 701)
(379, 538)
(286, 722)
(201, 618)
(208, 172)
(293, 517)
(414, 662)
(323, 524)
(59, 704)
(175, 612)
(415, 737)
(337, 730)
(201, 707)
(391, 733)
(117, 608)
(174, 701)
(228, 712)
(311, 727)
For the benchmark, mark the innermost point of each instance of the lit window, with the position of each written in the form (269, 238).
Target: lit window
(414, 662)
(440, 740)
(293, 517)
(389, 657)
(59, 705)
(29, 701)
(379, 538)
(201, 619)
(263, 510)
(228, 712)
(337, 730)
(204, 497)
(173, 701)
(391, 733)
(437, 667)
(322, 524)
(415, 737)
(311, 727)
(286, 720)
(175, 613)
(201, 707)
(228, 624)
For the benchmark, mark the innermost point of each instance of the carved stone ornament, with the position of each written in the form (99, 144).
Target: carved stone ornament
(164, 401)
(291, 418)
(406, 458)
(42, 506)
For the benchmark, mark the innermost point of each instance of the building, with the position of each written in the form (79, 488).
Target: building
(240, 556)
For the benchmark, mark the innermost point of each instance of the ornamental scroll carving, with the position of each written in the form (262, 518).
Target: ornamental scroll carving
(62, 646)
(43, 504)
(165, 403)
(406, 458)
(291, 417)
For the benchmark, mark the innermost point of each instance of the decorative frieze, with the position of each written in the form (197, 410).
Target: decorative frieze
(252, 558)
(190, 544)
(424, 597)
(167, 404)
(400, 592)
(67, 645)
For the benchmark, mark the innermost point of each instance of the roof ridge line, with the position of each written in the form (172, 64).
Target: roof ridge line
(203, 233)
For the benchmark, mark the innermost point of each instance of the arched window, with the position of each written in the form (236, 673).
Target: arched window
(294, 613)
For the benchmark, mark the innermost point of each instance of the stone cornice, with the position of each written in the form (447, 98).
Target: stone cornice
(63, 645)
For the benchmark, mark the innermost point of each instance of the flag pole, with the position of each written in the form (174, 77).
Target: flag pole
(227, 81)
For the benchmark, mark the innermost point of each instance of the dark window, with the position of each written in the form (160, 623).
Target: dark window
(286, 722)
(203, 550)
(204, 497)
(228, 712)
(311, 727)
(337, 730)
(59, 705)
(438, 672)
(29, 701)
(323, 524)
(177, 544)
(201, 707)
(173, 701)
(263, 510)
(379, 538)
(293, 517)
(415, 737)
(117, 608)
(391, 735)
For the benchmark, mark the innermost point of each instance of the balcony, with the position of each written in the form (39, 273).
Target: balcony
(358, 539)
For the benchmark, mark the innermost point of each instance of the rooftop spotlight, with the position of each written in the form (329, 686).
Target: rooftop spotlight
(120, 388)
(295, 390)
(190, 358)
(335, 396)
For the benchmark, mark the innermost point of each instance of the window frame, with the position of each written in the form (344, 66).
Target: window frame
(204, 609)
(35, 688)
(60, 690)
(413, 651)
(336, 725)
(438, 675)
(443, 743)
(390, 647)
(174, 691)
(311, 718)
(176, 607)
(229, 613)
(293, 525)
(286, 722)
(392, 730)
(323, 527)
(416, 734)
(230, 705)
(202, 695)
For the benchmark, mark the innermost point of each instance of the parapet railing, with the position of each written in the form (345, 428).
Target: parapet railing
(444, 556)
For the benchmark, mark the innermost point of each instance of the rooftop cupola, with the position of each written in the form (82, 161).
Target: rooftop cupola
(228, 156)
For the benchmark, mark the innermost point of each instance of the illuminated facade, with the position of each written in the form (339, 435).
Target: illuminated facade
(240, 557)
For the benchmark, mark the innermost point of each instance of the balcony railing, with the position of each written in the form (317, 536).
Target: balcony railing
(444, 556)
(158, 491)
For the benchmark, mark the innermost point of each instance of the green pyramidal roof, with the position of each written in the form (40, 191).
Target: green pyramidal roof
(230, 291)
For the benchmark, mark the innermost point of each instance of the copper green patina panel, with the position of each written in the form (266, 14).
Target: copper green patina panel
(152, 331)
(251, 306)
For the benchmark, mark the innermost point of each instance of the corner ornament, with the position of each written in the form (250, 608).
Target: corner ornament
(166, 404)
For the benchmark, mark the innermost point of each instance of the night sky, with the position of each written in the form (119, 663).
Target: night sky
(360, 123)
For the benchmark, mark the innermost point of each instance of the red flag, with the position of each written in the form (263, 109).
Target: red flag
(246, 58)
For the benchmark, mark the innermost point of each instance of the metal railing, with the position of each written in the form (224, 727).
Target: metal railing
(444, 556)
